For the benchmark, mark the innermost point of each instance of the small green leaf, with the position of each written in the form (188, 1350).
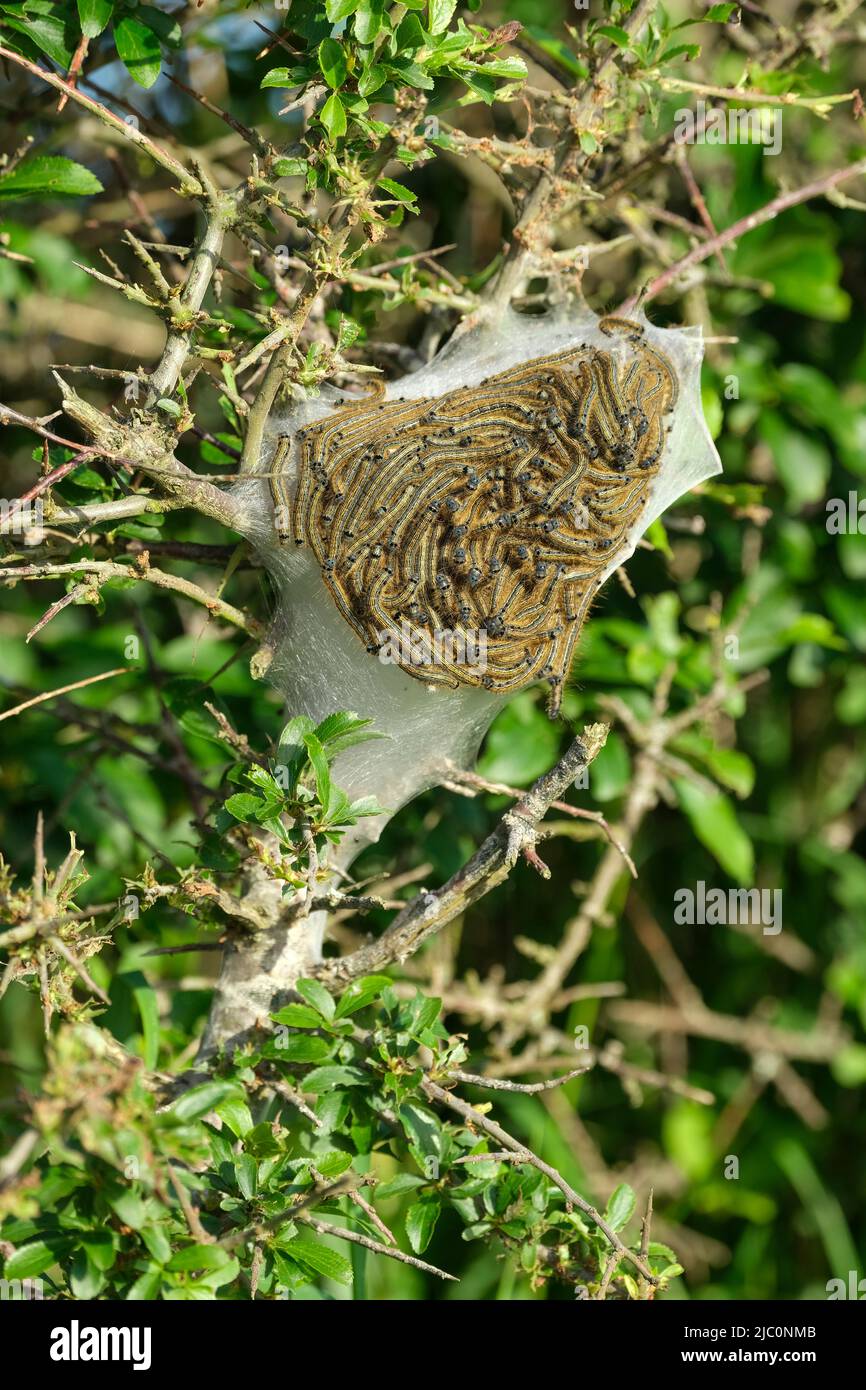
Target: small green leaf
(199, 1257)
(620, 1207)
(340, 9)
(138, 49)
(719, 14)
(320, 1258)
(301, 1047)
(360, 993)
(403, 1182)
(617, 36)
(421, 1221)
(714, 822)
(243, 805)
(49, 176)
(290, 168)
(38, 1255)
(681, 50)
(333, 117)
(198, 1101)
(332, 62)
(397, 190)
(298, 1016)
(147, 1286)
(148, 1008)
(94, 15)
(317, 997)
(319, 764)
(439, 13)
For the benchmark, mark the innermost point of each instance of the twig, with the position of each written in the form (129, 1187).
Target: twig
(476, 1120)
(63, 690)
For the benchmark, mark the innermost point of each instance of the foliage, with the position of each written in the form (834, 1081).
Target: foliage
(143, 1177)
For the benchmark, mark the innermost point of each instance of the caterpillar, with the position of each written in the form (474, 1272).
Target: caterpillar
(494, 510)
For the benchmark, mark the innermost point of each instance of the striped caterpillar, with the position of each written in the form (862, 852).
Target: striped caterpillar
(494, 508)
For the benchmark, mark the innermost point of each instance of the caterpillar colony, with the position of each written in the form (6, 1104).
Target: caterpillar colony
(494, 508)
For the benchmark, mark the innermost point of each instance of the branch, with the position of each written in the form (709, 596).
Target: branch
(140, 569)
(476, 1120)
(738, 229)
(515, 834)
(190, 186)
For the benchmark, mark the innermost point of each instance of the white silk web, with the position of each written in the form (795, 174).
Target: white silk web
(321, 665)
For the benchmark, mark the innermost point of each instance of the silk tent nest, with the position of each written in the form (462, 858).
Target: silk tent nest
(437, 545)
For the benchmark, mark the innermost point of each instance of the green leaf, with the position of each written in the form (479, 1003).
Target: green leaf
(360, 993)
(317, 997)
(298, 1016)
(369, 18)
(322, 1079)
(800, 263)
(344, 729)
(802, 461)
(333, 1164)
(714, 821)
(163, 25)
(246, 1171)
(332, 62)
(101, 1247)
(718, 14)
(681, 50)
(421, 1221)
(199, 1257)
(620, 1207)
(148, 1008)
(157, 1242)
(286, 77)
(48, 31)
(522, 744)
(319, 763)
(439, 13)
(403, 1182)
(236, 1114)
(557, 50)
(244, 806)
(198, 1101)
(371, 79)
(138, 49)
(49, 176)
(301, 1047)
(340, 9)
(614, 33)
(38, 1255)
(147, 1286)
(290, 168)
(411, 74)
(94, 15)
(333, 117)
(292, 754)
(397, 190)
(320, 1258)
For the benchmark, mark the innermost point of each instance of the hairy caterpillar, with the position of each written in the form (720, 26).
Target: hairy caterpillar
(494, 507)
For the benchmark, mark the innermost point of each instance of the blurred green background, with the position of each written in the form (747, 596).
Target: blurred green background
(784, 395)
